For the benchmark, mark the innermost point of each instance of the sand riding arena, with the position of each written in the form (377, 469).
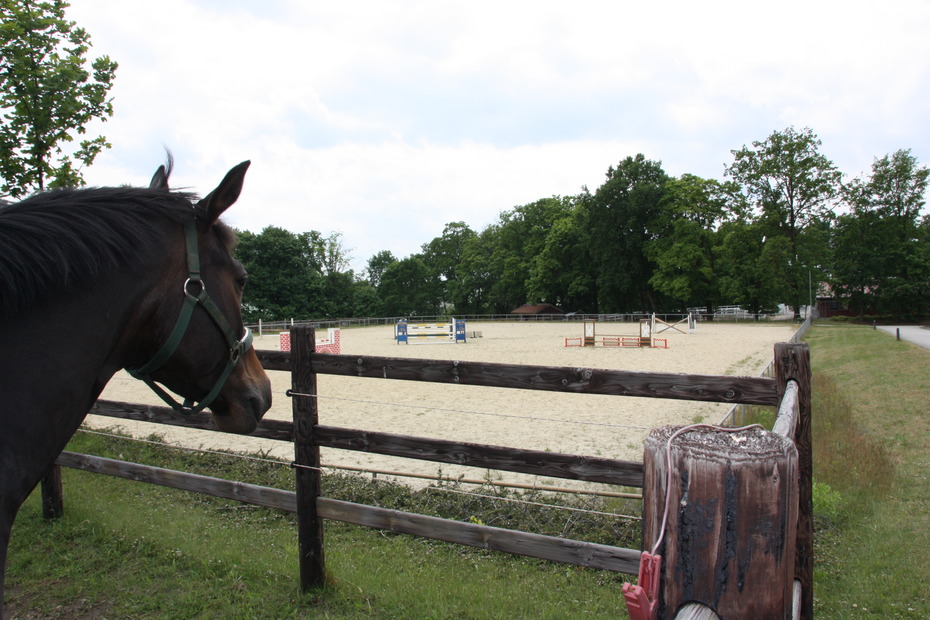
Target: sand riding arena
(570, 423)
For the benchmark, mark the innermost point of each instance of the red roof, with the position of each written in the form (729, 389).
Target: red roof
(537, 309)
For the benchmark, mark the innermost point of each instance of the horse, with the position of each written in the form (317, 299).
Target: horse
(95, 280)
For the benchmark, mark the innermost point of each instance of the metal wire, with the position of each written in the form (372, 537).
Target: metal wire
(200, 450)
(292, 393)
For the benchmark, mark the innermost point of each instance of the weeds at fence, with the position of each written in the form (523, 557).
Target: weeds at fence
(585, 518)
(851, 466)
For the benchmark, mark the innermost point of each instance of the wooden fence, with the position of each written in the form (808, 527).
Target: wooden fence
(789, 390)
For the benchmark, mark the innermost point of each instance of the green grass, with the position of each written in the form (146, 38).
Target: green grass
(129, 550)
(871, 433)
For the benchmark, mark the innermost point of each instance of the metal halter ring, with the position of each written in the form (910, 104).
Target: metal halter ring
(203, 288)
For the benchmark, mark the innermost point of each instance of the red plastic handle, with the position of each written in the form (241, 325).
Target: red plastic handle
(642, 599)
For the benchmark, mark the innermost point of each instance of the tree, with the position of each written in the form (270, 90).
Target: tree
(339, 288)
(561, 272)
(495, 266)
(443, 256)
(855, 272)
(476, 274)
(365, 300)
(751, 266)
(377, 264)
(790, 185)
(519, 239)
(623, 217)
(684, 254)
(327, 254)
(881, 260)
(47, 97)
(283, 280)
(327, 257)
(897, 191)
(409, 289)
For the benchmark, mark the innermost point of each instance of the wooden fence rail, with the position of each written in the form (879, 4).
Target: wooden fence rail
(789, 390)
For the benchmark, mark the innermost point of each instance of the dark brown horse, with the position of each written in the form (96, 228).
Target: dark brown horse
(96, 280)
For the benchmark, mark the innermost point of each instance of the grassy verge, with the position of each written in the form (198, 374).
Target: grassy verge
(871, 433)
(129, 550)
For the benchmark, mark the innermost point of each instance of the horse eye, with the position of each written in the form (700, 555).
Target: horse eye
(241, 282)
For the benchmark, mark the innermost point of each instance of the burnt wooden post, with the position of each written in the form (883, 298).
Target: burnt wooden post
(53, 505)
(730, 534)
(793, 363)
(306, 458)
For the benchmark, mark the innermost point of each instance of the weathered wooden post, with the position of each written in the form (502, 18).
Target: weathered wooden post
(730, 533)
(53, 503)
(793, 363)
(306, 458)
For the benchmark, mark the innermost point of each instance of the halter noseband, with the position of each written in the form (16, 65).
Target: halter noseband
(237, 346)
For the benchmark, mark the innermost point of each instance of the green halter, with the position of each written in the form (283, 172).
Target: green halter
(237, 346)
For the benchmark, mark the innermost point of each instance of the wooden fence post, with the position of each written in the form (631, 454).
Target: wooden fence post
(729, 539)
(306, 458)
(793, 362)
(53, 506)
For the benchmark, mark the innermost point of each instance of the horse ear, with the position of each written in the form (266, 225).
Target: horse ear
(211, 207)
(160, 179)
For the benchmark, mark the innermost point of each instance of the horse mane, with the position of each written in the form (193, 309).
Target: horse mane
(57, 241)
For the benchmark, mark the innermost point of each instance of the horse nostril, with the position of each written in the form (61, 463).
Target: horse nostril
(259, 404)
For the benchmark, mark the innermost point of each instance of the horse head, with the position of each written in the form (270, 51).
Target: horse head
(207, 356)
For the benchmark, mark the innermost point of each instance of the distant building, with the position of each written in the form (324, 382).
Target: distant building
(537, 309)
(834, 306)
(829, 304)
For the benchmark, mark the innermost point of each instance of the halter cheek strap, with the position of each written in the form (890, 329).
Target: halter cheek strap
(237, 346)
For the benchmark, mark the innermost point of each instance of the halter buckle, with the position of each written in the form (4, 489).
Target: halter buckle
(241, 347)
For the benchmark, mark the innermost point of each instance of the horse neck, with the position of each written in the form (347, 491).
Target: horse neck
(66, 350)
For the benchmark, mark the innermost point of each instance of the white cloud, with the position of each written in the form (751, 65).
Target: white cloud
(385, 120)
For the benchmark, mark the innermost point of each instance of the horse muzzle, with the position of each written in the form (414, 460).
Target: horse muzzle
(245, 398)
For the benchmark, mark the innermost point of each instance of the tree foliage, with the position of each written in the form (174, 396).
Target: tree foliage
(377, 264)
(751, 266)
(642, 241)
(283, 280)
(623, 216)
(443, 255)
(561, 273)
(881, 254)
(48, 97)
(408, 288)
(684, 255)
(790, 185)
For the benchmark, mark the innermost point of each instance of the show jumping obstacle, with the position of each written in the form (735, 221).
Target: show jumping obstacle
(648, 328)
(690, 320)
(330, 344)
(645, 339)
(430, 333)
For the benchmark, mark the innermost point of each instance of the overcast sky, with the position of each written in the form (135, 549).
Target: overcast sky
(384, 120)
